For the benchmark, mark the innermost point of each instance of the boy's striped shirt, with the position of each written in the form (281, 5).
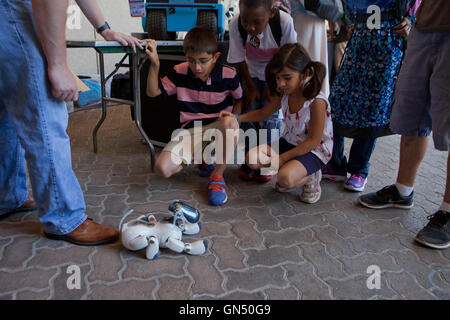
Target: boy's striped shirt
(198, 100)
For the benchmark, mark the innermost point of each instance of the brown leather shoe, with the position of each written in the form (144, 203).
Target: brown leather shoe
(89, 233)
(28, 205)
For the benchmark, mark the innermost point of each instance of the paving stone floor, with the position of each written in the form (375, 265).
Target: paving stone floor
(262, 244)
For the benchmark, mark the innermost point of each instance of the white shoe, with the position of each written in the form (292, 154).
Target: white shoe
(311, 189)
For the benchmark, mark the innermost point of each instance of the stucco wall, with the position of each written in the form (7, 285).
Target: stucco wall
(117, 13)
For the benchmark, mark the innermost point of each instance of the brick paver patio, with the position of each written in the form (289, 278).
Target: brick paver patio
(262, 244)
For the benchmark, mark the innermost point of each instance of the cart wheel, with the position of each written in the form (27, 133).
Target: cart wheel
(207, 18)
(157, 25)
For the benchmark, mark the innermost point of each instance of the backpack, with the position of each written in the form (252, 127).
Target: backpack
(275, 27)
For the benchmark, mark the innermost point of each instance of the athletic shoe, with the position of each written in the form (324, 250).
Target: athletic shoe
(388, 197)
(329, 173)
(261, 177)
(246, 173)
(204, 170)
(217, 195)
(436, 234)
(355, 183)
(311, 189)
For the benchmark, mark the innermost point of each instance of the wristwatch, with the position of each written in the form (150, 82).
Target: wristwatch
(103, 27)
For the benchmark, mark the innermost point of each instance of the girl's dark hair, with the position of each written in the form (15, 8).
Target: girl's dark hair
(295, 57)
(200, 39)
(267, 4)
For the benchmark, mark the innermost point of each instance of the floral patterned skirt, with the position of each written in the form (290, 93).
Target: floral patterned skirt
(362, 93)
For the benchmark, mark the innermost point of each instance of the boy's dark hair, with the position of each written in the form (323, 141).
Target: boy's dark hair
(200, 39)
(295, 57)
(267, 4)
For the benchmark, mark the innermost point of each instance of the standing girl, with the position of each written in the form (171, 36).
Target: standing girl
(362, 93)
(306, 142)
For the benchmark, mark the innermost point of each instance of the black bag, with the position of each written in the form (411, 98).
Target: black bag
(275, 27)
(331, 10)
(121, 86)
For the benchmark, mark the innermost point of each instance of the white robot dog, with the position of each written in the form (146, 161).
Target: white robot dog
(146, 232)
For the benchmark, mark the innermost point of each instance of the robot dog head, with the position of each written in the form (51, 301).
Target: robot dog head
(182, 210)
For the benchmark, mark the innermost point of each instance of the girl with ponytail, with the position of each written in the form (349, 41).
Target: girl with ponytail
(306, 142)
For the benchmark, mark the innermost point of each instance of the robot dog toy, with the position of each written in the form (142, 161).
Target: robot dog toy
(146, 232)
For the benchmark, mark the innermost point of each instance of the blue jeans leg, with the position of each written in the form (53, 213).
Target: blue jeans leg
(40, 123)
(360, 154)
(13, 177)
(338, 159)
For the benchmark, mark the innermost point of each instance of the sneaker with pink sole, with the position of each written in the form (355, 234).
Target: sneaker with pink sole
(329, 173)
(311, 189)
(355, 183)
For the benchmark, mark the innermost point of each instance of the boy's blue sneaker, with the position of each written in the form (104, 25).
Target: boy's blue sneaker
(217, 195)
(204, 170)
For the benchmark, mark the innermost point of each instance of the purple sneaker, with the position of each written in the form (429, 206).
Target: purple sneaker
(355, 183)
(329, 173)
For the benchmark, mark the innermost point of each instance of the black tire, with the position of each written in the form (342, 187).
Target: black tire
(207, 18)
(156, 24)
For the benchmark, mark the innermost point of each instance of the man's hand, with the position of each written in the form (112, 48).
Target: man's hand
(124, 39)
(403, 28)
(64, 86)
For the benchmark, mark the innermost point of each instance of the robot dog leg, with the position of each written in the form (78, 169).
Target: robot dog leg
(152, 251)
(198, 247)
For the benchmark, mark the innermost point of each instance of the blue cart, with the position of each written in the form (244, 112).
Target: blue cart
(163, 19)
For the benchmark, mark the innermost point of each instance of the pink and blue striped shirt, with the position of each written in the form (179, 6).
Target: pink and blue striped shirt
(198, 100)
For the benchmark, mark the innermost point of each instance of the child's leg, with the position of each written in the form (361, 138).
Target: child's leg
(359, 157)
(265, 156)
(338, 161)
(292, 174)
(177, 153)
(226, 134)
(303, 171)
(229, 132)
(168, 164)
(262, 156)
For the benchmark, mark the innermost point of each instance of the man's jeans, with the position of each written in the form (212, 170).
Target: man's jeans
(33, 127)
